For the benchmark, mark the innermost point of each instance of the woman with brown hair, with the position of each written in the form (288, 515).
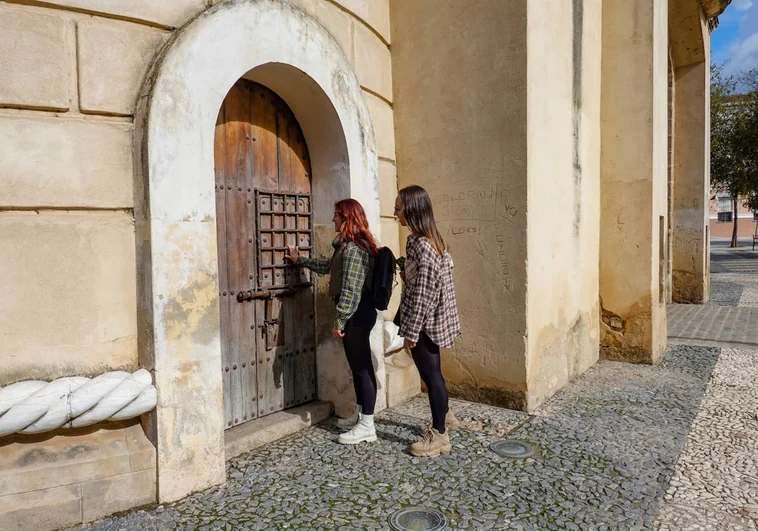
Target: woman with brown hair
(428, 312)
(350, 269)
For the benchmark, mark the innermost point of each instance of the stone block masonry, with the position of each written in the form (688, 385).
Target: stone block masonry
(86, 474)
(113, 58)
(33, 47)
(63, 162)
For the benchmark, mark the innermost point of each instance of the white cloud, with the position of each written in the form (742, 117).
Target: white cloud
(743, 54)
(742, 5)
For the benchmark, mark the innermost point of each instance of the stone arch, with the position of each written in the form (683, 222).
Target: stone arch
(276, 44)
(687, 32)
(689, 111)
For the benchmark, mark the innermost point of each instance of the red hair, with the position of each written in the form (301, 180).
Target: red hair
(355, 228)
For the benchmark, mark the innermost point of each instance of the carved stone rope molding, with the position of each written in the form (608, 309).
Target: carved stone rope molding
(74, 402)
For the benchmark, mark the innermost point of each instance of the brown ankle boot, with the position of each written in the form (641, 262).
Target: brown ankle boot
(432, 443)
(451, 423)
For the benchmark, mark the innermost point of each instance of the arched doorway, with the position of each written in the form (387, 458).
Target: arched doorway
(175, 209)
(263, 203)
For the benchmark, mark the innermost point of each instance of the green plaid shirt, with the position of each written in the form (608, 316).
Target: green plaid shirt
(355, 264)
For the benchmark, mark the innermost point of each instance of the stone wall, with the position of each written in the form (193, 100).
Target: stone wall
(71, 77)
(634, 183)
(497, 116)
(564, 46)
(72, 72)
(461, 111)
(690, 38)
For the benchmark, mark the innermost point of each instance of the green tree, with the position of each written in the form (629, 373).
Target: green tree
(734, 138)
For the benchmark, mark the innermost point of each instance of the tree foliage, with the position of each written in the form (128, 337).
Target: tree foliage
(734, 137)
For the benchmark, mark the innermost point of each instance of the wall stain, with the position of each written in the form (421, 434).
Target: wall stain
(576, 116)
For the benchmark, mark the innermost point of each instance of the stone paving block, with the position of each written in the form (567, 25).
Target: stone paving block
(33, 60)
(113, 58)
(714, 324)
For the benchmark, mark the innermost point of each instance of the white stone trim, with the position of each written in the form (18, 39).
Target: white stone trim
(35, 406)
(175, 202)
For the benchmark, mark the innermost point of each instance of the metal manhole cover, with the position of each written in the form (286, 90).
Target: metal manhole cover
(418, 519)
(512, 449)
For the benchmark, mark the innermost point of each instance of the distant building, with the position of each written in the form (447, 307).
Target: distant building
(722, 217)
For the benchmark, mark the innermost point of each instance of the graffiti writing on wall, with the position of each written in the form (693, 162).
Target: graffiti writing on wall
(506, 279)
(476, 200)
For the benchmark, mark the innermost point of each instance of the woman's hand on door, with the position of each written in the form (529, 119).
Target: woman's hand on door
(292, 254)
(337, 333)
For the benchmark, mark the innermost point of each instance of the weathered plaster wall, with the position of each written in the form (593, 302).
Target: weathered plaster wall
(93, 57)
(72, 71)
(68, 293)
(690, 40)
(81, 159)
(633, 179)
(460, 112)
(563, 192)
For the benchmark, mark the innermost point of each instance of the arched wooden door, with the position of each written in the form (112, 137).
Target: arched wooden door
(263, 203)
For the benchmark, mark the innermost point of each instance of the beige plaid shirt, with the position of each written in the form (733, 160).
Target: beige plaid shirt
(428, 299)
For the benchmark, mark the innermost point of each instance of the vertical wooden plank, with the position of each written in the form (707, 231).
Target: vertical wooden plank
(260, 349)
(264, 142)
(291, 332)
(284, 150)
(307, 369)
(300, 167)
(289, 312)
(239, 238)
(308, 339)
(219, 152)
(270, 365)
(248, 379)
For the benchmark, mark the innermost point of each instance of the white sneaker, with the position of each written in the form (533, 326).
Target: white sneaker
(362, 432)
(352, 420)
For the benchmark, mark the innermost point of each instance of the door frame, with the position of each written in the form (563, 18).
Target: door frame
(175, 225)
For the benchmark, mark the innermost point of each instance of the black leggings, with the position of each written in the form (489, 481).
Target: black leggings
(426, 356)
(358, 352)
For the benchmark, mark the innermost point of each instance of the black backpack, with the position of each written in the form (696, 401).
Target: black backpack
(382, 278)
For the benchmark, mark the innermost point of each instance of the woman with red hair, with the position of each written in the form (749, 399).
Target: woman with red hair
(350, 269)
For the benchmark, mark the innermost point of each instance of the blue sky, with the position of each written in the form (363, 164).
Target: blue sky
(736, 38)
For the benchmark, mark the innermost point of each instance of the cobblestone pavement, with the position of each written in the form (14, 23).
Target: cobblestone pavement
(715, 483)
(608, 445)
(713, 325)
(624, 447)
(731, 317)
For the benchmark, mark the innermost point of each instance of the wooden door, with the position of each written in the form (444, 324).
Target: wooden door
(263, 203)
